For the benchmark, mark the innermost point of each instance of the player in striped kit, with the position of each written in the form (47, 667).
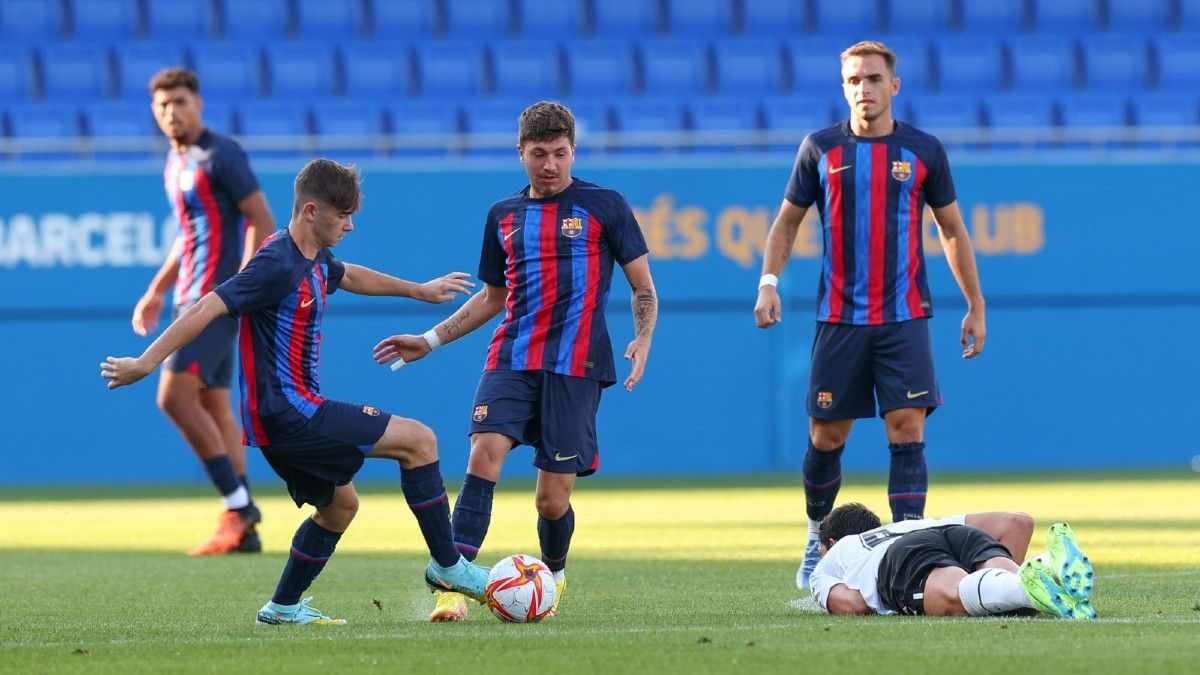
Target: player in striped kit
(871, 177)
(547, 262)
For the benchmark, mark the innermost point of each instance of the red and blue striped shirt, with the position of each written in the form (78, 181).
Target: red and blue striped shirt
(871, 193)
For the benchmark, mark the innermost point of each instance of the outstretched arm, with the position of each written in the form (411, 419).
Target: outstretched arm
(961, 257)
(365, 281)
(645, 316)
(1013, 529)
(768, 311)
(127, 370)
(480, 309)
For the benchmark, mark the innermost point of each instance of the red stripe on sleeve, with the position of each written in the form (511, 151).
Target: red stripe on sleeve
(878, 224)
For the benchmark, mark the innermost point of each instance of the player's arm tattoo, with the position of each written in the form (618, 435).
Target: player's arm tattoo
(645, 311)
(453, 325)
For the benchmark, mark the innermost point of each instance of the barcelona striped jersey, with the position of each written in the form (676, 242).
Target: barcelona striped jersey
(280, 297)
(871, 193)
(204, 184)
(555, 256)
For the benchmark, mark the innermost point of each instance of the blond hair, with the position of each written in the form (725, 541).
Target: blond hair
(868, 47)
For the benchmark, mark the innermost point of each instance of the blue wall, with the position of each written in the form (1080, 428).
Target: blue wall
(1090, 273)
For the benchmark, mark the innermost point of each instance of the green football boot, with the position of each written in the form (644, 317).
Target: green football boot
(1071, 567)
(1048, 597)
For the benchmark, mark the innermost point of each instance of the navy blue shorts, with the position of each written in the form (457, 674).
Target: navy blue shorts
(853, 366)
(327, 452)
(210, 355)
(555, 414)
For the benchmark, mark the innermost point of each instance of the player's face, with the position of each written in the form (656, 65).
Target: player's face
(548, 165)
(330, 224)
(177, 112)
(868, 86)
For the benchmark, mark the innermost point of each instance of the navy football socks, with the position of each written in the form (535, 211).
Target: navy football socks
(426, 496)
(555, 537)
(472, 515)
(220, 472)
(908, 481)
(311, 548)
(822, 480)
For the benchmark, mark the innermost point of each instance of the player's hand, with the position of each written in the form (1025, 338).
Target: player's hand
(974, 333)
(146, 313)
(444, 288)
(637, 351)
(768, 311)
(122, 371)
(407, 347)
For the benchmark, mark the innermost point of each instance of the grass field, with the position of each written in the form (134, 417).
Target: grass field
(664, 577)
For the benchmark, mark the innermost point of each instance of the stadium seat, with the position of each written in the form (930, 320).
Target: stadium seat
(699, 18)
(1043, 63)
(1115, 63)
(920, 17)
(1178, 62)
(349, 131)
(749, 66)
(221, 117)
(1139, 16)
(973, 63)
(1092, 111)
(1065, 16)
(54, 124)
(790, 118)
(987, 17)
(815, 65)
(30, 21)
(675, 67)
(104, 20)
(621, 19)
(255, 20)
(912, 63)
(855, 19)
(136, 63)
(228, 72)
(1172, 112)
(935, 112)
(128, 122)
(378, 70)
(297, 71)
(496, 121)
(328, 19)
(647, 116)
(592, 121)
(781, 18)
(282, 129)
(1010, 114)
(423, 129)
(483, 20)
(713, 118)
(180, 20)
(75, 72)
(599, 68)
(402, 20)
(526, 69)
(550, 19)
(448, 69)
(16, 71)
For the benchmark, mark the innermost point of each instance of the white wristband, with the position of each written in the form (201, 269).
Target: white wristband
(768, 280)
(432, 338)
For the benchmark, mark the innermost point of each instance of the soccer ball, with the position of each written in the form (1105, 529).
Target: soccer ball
(520, 589)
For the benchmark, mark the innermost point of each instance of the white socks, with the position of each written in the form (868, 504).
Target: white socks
(236, 499)
(992, 591)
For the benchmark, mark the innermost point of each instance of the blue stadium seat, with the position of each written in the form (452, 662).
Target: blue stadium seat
(1178, 62)
(913, 65)
(856, 19)
(136, 63)
(402, 20)
(699, 18)
(646, 116)
(378, 70)
(749, 66)
(228, 72)
(1043, 63)
(221, 117)
(478, 19)
(527, 69)
(1166, 109)
(419, 123)
(498, 120)
(780, 18)
(599, 68)
(1012, 113)
(104, 20)
(255, 20)
(16, 72)
(450, 69)
(592, 120)
(300, 71)
(799, 115)
(103, 121)
(920, 17)
(815, 65)
(712, 117)
(675, 67)
(987, 17)
(30, 21)
(1139, 16)
(550, 19)
(1065, 16)
(284, 126)
(1115, 63)
(328, 19)
(973, 63)
(934, 112)
(180, 20)
(1189, 16)
(338, 123)
(1090, 111)
(621, 19)
(49, 122)
(75, 72)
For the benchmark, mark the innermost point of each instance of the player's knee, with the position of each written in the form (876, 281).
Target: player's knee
(422, 445)
(175, 404)
(551, 506)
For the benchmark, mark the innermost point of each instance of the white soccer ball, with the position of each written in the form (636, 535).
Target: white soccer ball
(520, 589)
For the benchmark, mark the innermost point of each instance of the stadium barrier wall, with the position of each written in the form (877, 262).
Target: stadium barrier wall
(1089, 269)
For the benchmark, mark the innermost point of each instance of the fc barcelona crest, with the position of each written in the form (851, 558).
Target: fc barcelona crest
(901, 171)
(824, 399)
(572, 227)
(480, 413)
(371, 410)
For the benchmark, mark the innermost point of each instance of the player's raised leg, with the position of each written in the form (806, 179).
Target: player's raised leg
(1069, 564)
(1047, 594)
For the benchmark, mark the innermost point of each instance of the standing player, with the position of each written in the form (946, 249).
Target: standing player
(547, 260)
(223, 218)
(317, 445)
(871, 177)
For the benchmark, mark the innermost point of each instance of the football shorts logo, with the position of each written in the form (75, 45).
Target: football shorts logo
(480, 413)
(572, 227)
(901, 171)
(371, 410)
(187, 180)
(824, 399)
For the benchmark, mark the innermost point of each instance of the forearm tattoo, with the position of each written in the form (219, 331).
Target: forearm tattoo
(454, 323)
(645, 311)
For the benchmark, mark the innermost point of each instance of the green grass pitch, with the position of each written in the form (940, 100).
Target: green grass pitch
(678, 576)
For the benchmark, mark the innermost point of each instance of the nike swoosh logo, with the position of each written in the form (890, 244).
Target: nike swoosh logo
(839, 169)
(510, 234)
(560, 458)
(916, 394)
(310, 301)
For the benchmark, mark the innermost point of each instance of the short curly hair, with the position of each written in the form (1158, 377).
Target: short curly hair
(846, 520)
(545, 121)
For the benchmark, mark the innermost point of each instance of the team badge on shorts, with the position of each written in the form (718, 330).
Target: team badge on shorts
(480, 413)
(824, 399)
(371, 410)
(901, 171)
(572, 227)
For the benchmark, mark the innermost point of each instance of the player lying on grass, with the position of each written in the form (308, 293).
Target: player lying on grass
(965, 565)
(317, 445)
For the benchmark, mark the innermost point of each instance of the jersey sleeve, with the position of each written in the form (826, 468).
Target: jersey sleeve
(233, 171)
(264, 282)
(824, 577)
(624, 235)
(335, 270)
(939, 185)
(492, 258)
(804, 186)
